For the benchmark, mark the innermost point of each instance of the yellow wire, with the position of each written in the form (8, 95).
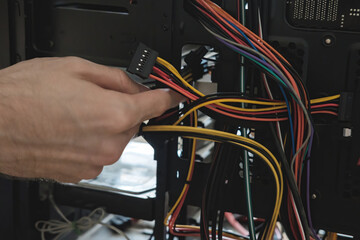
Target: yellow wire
(224, 233)
(209, 103)
(276, 106)
(230, 136)
(324, 99)
(192, 160)
(187, 76)
(177, 74)
(282, 104)
(235, 100)
(331, 236)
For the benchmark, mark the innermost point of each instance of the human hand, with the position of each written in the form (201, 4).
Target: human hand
(66, 118)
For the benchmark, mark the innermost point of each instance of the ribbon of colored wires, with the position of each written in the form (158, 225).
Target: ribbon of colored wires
(243, 142)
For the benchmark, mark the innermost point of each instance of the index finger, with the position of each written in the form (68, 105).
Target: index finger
(106, 77)
(153, 103)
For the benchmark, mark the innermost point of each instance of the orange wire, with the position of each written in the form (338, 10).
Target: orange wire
(324, 112)
(228, 16)
(216, 10)
(193, 97)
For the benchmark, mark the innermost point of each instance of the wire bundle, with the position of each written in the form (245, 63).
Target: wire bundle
(61, 228)
(225, 103)
(172, 78)
(294, 112)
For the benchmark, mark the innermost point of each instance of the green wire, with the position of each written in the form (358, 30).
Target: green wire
(244, 133)
(269, 70)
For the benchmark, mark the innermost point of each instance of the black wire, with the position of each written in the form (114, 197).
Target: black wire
(210, 60)
(232, 169)
(213, 223)
(214, 27)
(223, 140)
(208, 22)
(204, 221)
(199, 15)
(214, 186)
(291, 182)
(223, 159)
(219, 96)
(289, 67)
(151, 236)
(209, 190)
(221, 223)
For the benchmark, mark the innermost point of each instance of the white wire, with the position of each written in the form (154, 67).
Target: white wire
(297, 216)
(65, 226)
(279, 131)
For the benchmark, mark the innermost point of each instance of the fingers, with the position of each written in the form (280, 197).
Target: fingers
(153, 103)
(111, 152)
(106, 77)
(112, 148)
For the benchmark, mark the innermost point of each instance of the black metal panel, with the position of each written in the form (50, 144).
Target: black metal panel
(330, 66)
(6, 208)
(136, 206)
(103, 31)
(4, 35)
(6, 185)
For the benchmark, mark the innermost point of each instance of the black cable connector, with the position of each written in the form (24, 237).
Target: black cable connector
(143, 61)
(193, 61)
(346, 106)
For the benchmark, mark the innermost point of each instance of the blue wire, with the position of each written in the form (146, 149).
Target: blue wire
(290, 118)
(244, 35)
(281, 88)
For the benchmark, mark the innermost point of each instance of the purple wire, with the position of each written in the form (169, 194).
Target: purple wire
(311, 137)
(308, 184)
(256, 58)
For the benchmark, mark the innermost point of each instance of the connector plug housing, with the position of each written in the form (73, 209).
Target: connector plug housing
(143, 61)
(346, 106)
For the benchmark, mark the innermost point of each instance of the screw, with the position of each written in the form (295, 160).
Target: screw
(313, 196)
(328, 41)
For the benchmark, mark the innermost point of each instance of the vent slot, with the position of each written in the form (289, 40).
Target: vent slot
(320, 10)
(324, 14)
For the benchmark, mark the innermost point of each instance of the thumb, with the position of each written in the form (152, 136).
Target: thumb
(106, 77)
(153, 103)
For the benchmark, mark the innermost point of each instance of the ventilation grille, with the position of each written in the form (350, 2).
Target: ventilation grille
(325, 14)
(319, 10)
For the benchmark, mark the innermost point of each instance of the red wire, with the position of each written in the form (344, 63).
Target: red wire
(174, 86)
(238, 40)
(291, 215)
(179, 207)
(325, 105)
(300, 120)
(325, 112)
(255, 42)
(297, 220)
(193, 97)
(166, 115)
(257, 113)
